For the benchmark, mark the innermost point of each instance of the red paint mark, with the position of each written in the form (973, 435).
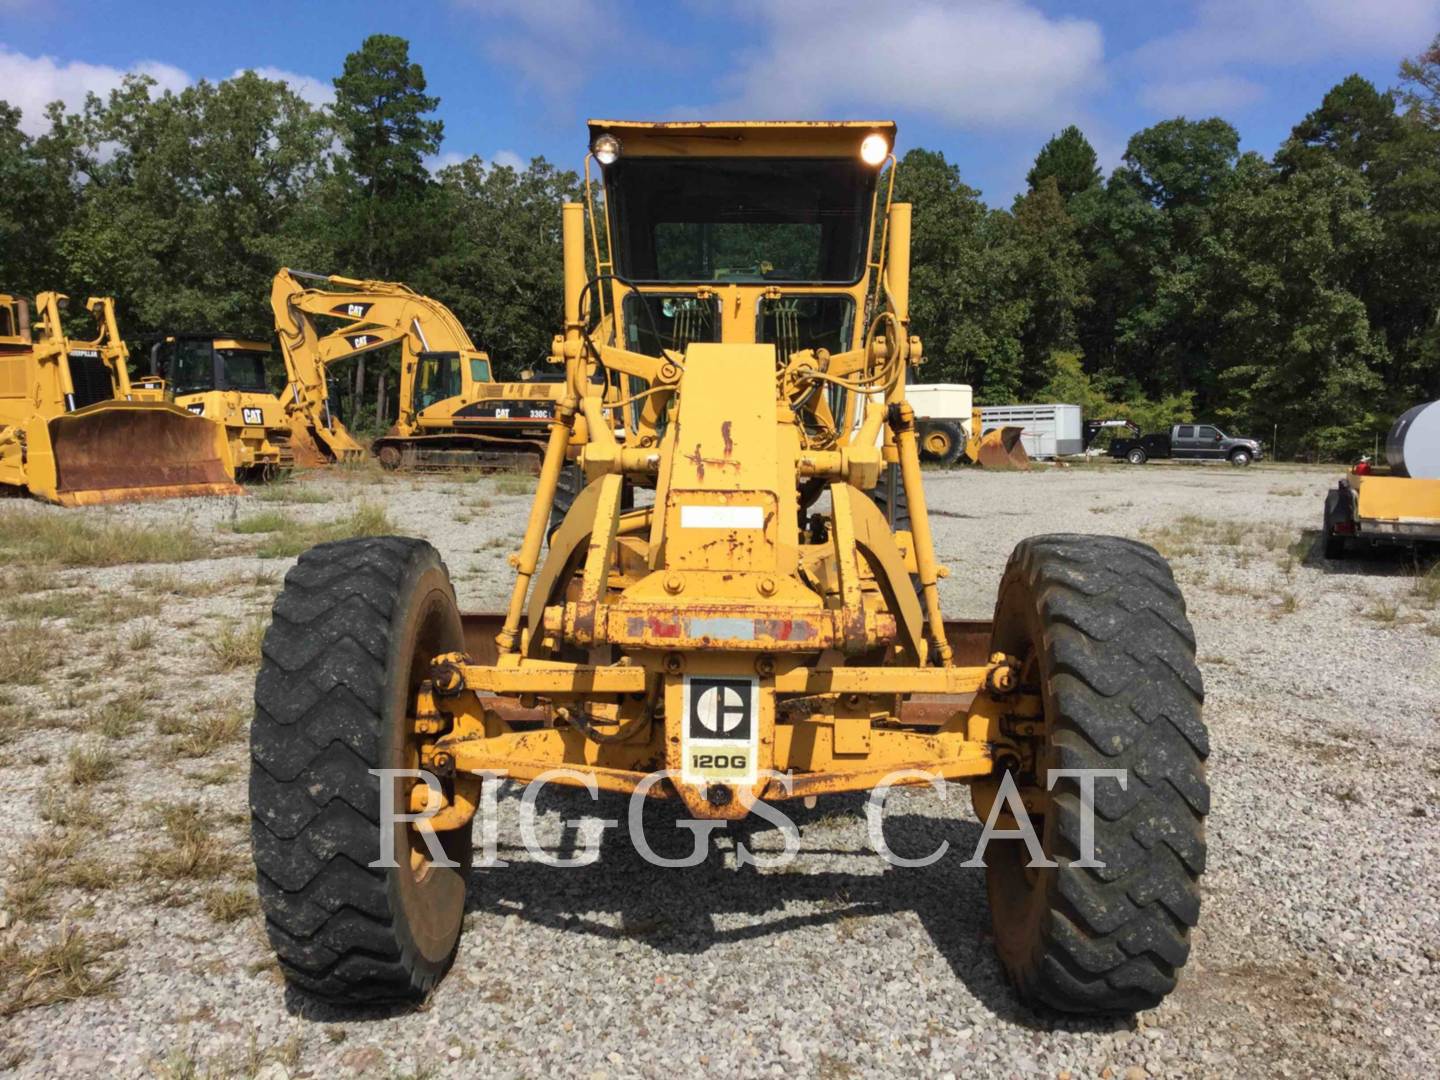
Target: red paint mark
(725, 434)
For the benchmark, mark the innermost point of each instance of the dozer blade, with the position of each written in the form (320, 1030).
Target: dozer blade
(123, 451)
(1001, 448)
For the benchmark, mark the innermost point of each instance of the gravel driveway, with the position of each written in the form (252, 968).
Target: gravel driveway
(1318, 950)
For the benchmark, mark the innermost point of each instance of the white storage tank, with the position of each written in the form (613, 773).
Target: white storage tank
(1413, 445)
(1049, 430)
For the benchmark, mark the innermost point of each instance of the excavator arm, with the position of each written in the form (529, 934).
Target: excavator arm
(445, 381)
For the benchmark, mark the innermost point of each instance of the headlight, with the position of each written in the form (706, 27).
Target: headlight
(606, 149)
(874, 149)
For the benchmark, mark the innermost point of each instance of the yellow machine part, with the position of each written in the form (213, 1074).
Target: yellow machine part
(998, 448)
(117, 451)
(1396, 504)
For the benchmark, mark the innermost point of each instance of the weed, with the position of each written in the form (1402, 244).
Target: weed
(1384, 612)
(226, 904)
(237, 645)
(65, 970)
(1287, 603)
(169, 583)
(89, 764)
(367, 519)
(70, 540)
(193, 851)
(1287, 491)
(141, 639)
(70, 809)
(202, 736)
(266, 521)
(515, 484)
(27, 650)
(50, 605)
(1426, 586)
(41, 862)
(291, 493)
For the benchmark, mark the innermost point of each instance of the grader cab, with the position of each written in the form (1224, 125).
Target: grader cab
(727, 593)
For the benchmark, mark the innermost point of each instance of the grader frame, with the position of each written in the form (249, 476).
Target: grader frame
(736, 640)
(710, 581)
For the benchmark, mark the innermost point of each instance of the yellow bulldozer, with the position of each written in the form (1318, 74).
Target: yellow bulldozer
(226, 378)
(452, 414)
(765, 625)
(74, 431)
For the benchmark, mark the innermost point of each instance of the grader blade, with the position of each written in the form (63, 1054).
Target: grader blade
(123, 451)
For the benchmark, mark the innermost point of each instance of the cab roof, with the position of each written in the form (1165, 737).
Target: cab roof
(732, 138)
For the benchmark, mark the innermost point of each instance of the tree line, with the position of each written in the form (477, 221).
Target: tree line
(1295, 296)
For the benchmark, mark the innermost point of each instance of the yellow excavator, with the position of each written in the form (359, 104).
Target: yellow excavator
(73, 431)
(451, 412)
(225, 378)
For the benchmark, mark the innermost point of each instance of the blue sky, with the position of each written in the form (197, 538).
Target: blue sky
(986, 81)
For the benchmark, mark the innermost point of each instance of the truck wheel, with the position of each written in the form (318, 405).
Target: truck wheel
(1099, 627)
(1136, 456)
(1240, 457)
(941, 441)
(351, 639)
(892, 488)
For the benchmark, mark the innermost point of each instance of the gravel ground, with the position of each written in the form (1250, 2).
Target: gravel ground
(1318, 949)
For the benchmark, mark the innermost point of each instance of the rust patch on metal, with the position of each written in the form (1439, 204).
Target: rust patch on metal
(729, 442)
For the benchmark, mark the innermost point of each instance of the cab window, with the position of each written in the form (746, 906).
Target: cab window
(1186, 432)
(479, 370)
(1208, 433)
(437, 377)
(244, 369)
(192, 367)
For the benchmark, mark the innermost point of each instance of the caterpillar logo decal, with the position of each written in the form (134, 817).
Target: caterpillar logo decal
(252, 416)
(721, 732)
(351, 311)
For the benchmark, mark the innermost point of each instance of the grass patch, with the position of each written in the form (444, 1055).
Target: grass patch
(69, 540)
(367, 519)
(237, 645)
(1383, 612)
(1426, 586)
(515, 484)
(293, 494)
(141, 639)
(229, 904)
(122, 715)
(40, 865)
(202, 736)
(193, 852)
(50, 605)
(28, 649)
(1287, 492)
(266, 521)
(70, 809)
(66, 969)
(89, 764)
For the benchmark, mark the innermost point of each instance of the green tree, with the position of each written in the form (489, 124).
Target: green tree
(963, 302)
(1051, 277)
(1068, 159)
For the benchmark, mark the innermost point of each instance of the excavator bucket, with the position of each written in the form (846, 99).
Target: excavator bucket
(1001, 448)
(118, 451)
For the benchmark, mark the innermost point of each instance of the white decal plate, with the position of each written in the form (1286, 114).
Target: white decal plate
(722, 517)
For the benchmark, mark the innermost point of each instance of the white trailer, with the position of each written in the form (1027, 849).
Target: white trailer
(1049, 430)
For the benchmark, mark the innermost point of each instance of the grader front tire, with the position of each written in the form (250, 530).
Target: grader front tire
(1099, 624)
(352, 636)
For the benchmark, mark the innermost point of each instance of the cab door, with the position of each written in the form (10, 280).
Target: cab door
(1207, 442)
(1183, 445)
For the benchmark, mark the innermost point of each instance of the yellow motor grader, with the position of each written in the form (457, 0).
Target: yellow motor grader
(226, 378)
(74, 431)
(452, 414)
(765, 626)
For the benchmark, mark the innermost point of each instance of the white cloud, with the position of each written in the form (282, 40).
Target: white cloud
(508, 158)
(32, 82)
(443, 160)
(1202, 94)
(1292, 32)
(991, 63)
(552, 44)
(315, 91)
